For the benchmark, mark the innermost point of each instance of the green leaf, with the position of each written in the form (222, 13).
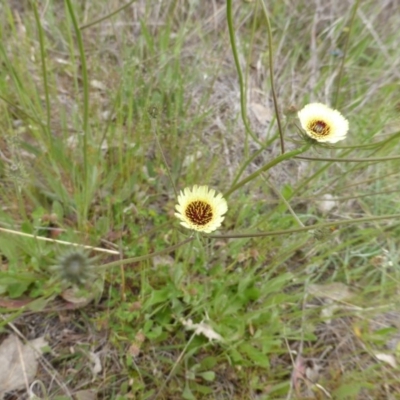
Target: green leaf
(15, 290)
(208, 362)
(252, 294)
(208, 375)
(154, 333)
(196, 387)
(287, 192)
(255, 355)
(38, 304)
(276, 284)
(187, 393)
(58, 209)
(347, 391)
(159, 296)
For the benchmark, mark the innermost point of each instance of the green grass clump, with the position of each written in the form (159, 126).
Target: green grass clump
(108, 111)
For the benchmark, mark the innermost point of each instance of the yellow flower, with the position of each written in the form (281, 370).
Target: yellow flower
(323, 123)
(201, 209)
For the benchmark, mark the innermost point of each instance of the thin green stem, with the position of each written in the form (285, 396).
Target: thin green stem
(243, 106)
(266, 167)
(284, 201)
(306, 228)
(379, 144)
(44, 70)
(249, 160)
(21, 203)
(154, 129)
(371, 146)
(246, 164)
(371, 159)
(85, 78)
(359, 196)
(346, 48)
(101, 19)
(271, 76)
(248, 64)
(160, 390)
(22, 112)
(85, 81)
(25, 101)
(147, 256)
(313, 176)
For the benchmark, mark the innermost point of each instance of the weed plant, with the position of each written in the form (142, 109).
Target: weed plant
(121, 120)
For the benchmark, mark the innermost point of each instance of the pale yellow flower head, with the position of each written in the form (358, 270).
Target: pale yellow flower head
(201, 209)
(322, 123)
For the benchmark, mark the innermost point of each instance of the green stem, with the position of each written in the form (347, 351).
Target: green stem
(101, 19)
(154, 129)
(284, 201)
(85, 82)
(266, 167)
(372, 159)
(371, 146)
(85, 79)
(250, 159)
(346, 48)
(21, 203)
(239, 70)
(44, 70)
(374, 145)
(147, 256)
(22, 112)
(360, 196)
(271, 75)
(246, 164)
(160, 390)
(306, 228)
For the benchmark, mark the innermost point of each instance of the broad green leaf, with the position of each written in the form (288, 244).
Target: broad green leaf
(255, 355)
(208, 375)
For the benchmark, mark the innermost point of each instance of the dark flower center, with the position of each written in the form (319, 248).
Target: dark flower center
(320, 128)
(199, 212)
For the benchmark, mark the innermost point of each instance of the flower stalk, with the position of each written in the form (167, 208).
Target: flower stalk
(306, 228)
(266, 167)
(146, 256)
